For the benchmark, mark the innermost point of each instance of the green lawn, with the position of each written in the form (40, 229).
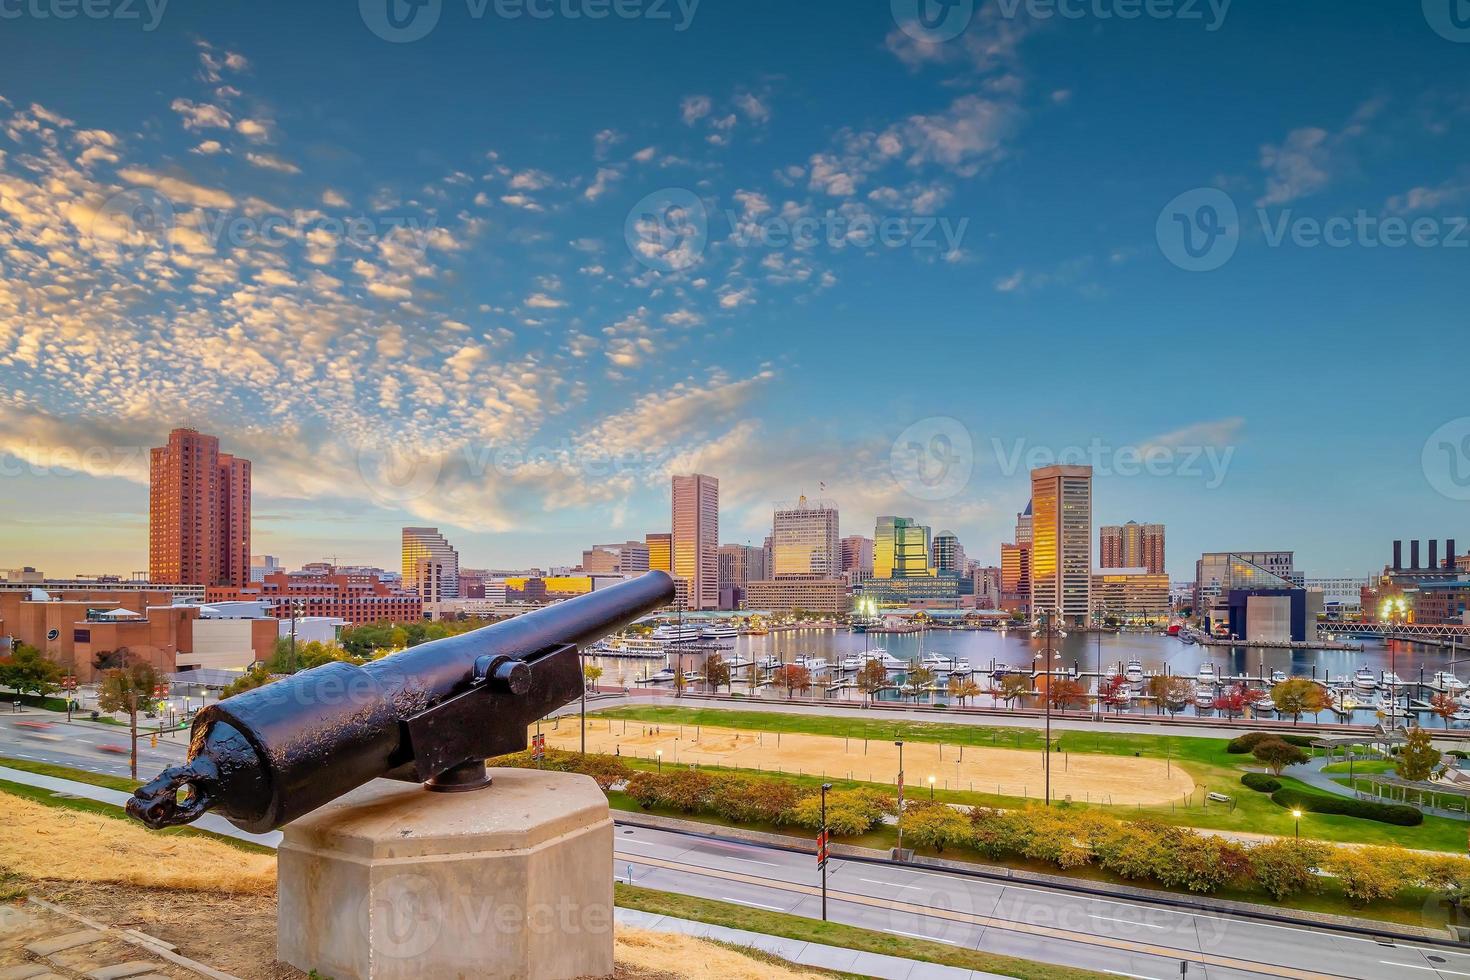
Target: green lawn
(121, 783)
(1205, 759)
(1361, 767)
(834, 934)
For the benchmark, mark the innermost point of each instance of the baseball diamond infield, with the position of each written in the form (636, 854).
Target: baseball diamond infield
(1006, 772)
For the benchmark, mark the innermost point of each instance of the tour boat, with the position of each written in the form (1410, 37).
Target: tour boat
(719, 633)
(676, 634)
(1365, 679)
(1392, 681)
(1204, 697)
(1207, 674)
(1133, 671)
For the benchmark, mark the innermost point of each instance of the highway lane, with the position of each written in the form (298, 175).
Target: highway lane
(1030, 922)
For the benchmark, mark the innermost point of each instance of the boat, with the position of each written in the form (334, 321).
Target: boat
(935, 662)
(666, 674)
(1447, 682)
(817, 665)
(1391, 709)
(771, 663)
(719, 633)
(852, 663)
(961, 668)
(1365, 680)
(1462, 715)
(1278, 677)
(888, 660)
(1392, 681)
(1204, 697)
(1207, 674)
(1188, 636)
(1346, 701)
(676, 634)
(1133, 671)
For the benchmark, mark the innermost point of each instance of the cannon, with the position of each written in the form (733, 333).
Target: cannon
(431, 714)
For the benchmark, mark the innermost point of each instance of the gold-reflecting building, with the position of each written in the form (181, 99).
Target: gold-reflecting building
(901, 549)
(1061, 547)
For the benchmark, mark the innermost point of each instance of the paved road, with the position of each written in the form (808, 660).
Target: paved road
(87, 745)
(1032, 922)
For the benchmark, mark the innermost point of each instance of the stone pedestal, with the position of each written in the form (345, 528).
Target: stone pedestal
(393, 881)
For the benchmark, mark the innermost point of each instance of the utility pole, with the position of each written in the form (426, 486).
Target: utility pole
(822, 850)
(900, 796)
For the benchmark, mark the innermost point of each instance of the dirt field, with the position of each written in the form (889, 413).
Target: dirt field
(1008, 772)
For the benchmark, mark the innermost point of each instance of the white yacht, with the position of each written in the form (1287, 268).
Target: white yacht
(1133, 671)
(817, 665)
(1391, 709)
(1204, 697)
(852, 663)
(1392, 681)
(720, 632)
(667, 674)
(888, 660)
(935, 662)
(961, 668)
(1365, 679)
(670, 633)
(1462, 715)
(770, 663)
(1207, 674)
(1448, 682)
(1346, 700)
(1278, 677)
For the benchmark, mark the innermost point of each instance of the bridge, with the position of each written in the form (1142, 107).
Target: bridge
(1409, 632)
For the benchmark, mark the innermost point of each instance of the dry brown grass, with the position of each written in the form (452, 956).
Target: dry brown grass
(654, 953)
(51, 843)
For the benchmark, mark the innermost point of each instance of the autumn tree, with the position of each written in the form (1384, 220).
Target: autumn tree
(1114, 692)
(716, 671)
(1446, 706)
(1013, 686)
(1231, 702)
(129, 688)
(962, 689)
(1298, 696)
(29, 670)
(1276, 755)
(793, 677)
(917, 681)
(1418, 757)
(872, 678)
(1064, 693)
(591, 674)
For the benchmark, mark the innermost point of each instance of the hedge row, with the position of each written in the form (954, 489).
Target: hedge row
(1243, 744)
(1394, 813)
(1261, 782)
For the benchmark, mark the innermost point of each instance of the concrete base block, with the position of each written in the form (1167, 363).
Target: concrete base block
(393, 881)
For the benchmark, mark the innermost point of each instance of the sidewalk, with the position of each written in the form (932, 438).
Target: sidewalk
(801, 952)
(793, 950)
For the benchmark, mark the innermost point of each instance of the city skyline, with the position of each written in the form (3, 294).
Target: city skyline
(408, 305)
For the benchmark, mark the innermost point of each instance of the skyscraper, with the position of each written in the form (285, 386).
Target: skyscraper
(696, 538)
(660, 552)
(804, 540)
(198, 513)
(1132, 545)
(430, 564)
(1061, 549)
(900, 548)
(947, 554)
(857, 555)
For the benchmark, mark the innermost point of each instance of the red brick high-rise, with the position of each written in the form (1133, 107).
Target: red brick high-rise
(198, 513)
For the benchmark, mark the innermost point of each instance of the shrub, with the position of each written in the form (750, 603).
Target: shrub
(646, 788)
(1244, 744)
(748, 800)
(850, 812)
(1371, 874)
(1198, 863)
(1394, 813)
(1131, 850)
(1277, 755)
(934, 825)
(1260, 782)
(1283, 868)
(606, 770)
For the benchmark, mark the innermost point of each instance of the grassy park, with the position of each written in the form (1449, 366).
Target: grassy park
(1208, 765)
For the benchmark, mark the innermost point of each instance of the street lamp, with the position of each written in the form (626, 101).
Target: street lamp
(900, 795)
(1049, 629)
(822, 850)
(931, 789)
(660, 754)
(1393, 609)
(1297, 814)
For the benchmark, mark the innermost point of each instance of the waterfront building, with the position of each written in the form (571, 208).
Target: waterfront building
(1130, 596)
(901, 549)
(629, 558)
(988, 587)
(199, 503)
(947, 555)
(696, 538)
(805, 540)
(740, 564)
(791, 593)
(1061, 550)
(1216, 573)
(430, 564)
(1132, 545)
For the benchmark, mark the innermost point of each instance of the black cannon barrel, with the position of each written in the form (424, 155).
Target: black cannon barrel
(267, 756)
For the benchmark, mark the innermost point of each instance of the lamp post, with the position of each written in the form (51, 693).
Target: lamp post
(931, 789)
(1297, 815)
(1049, 630)
(900, 795)
(1393, 610)
(295, 610)
(822, 850)
(660, 754)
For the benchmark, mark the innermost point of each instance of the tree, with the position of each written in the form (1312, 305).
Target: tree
(793, 677)
(1013, 686)
(256, 675)
(1064, 693)
(28, 670)
(1284, 867)
(591, 674)
(962, 688)
(1444, 705)
(1276, 755)
(1298, 696)
(129, 688)
(1168, 691)
(1114, 692)
(917, 681)
(1418, 757)
(1232, 701)
(872, 678)
(716, 671)
(934, 825)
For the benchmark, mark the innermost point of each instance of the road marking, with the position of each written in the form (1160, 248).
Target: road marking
(1432, 969)
(1128, 922)
(1135, 976)
(741, 901)
(891, 884)
(920, 935)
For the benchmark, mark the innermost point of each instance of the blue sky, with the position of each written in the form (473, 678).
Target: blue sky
(507, 276)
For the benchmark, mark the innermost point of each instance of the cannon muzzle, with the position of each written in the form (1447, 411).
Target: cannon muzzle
(430, 714)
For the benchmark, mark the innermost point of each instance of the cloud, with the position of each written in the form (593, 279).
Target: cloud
(267, 161)
(201, 115)
(177, 189)
(694, 108)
